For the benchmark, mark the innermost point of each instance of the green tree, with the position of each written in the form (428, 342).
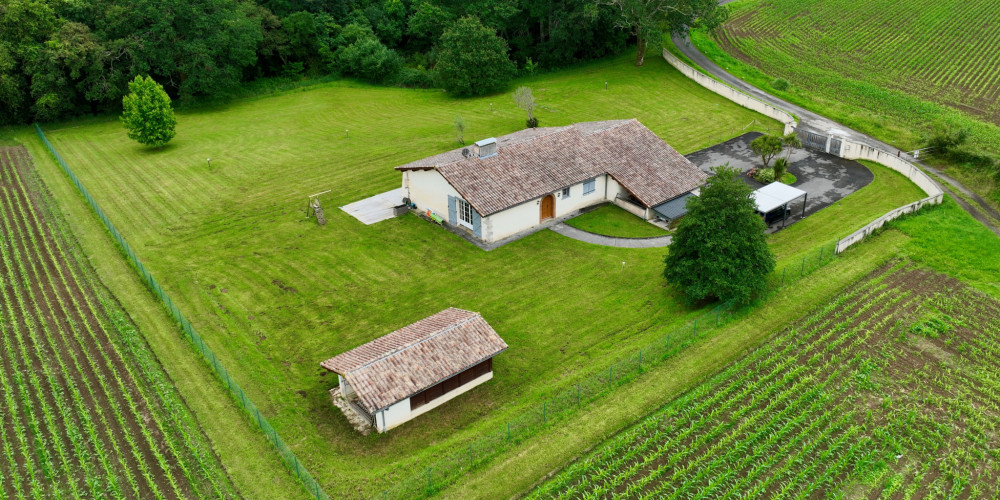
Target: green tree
(647, 19)
(719, 250)
(426, 25)
(146, 113)
(472, 59)
(767, 147)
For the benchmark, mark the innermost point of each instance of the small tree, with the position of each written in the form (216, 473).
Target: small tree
(146, 113)
(719, 250)
(526, 101)
(789, 141)
(472, 59)
(767, 147)
(460, 129)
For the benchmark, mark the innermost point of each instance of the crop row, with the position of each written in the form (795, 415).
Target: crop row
(790, 419)
(84, 416)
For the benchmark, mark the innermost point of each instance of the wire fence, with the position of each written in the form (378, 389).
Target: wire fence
(457, 461)
(209, 357)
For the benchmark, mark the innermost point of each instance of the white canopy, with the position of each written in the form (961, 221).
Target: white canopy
(774, 195)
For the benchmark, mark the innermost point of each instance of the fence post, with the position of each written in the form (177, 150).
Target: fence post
(783, 272)
(471, 460)
(821, 254)
(803, 268)
(508, 431)
(640, 359)
(696, 327)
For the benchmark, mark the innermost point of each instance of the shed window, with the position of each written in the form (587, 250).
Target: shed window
(565, 192)
(589, 186)
(465, 213)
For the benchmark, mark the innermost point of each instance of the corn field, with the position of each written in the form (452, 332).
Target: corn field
(895, 58)
(86, 411)
(889, 391)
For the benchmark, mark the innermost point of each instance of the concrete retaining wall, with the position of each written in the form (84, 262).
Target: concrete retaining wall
(732, 94)
(855, 151)
(849, 150)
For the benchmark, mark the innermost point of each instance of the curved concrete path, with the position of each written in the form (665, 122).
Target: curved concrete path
(814, 122)
(611, 241)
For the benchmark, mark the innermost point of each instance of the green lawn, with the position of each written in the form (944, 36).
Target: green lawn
(612, 220)
(273, 294)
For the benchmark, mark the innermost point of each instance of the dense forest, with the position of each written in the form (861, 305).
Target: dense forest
(61, 58)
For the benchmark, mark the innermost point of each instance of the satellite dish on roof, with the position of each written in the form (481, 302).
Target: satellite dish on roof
(465, 152)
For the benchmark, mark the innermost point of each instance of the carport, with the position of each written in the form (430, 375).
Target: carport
(777, 195)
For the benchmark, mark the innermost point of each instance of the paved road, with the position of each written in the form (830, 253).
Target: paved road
(817, 123)
(609, 241)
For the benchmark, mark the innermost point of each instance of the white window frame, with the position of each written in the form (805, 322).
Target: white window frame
(565, 192)
(464, 210)
(593, 186)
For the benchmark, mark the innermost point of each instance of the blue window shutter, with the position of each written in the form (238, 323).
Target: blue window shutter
(452, 210)
(477, 224)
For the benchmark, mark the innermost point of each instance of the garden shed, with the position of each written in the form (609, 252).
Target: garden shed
(397, 377)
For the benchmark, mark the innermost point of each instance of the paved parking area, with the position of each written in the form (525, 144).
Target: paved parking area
(825, 177)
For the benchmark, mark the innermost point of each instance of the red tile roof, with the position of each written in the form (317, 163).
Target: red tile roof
(534, 162)
(392, 368)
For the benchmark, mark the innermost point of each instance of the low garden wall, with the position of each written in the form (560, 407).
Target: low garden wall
(732, 94)
(850, 150)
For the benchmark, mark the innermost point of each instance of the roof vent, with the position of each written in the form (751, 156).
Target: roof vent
(485, 148)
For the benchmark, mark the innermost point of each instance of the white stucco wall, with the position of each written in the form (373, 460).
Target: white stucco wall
(345, 388)
(400, 413)
(614, 190)
(528, 214)
(428, 189)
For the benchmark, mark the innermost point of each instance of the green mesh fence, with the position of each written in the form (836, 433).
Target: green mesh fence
(456, 462)
(234, 389)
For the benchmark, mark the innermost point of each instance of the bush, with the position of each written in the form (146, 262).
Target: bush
(780, 167)
(780, 84)
(416, 77)
(531, 122)
(369, 59)
(764, 175)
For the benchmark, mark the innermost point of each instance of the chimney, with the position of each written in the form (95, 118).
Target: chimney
(485, 148)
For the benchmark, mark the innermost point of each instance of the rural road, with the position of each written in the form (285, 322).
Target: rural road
(820, 124)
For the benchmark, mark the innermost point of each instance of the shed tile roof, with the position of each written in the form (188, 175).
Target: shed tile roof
(417, 356)
(534, 162)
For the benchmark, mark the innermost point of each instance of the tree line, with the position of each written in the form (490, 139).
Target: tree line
(63, 58)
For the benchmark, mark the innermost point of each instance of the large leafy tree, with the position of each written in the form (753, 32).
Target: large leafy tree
(719, 251)
(647, 19)
(472, 59)
(146, 113)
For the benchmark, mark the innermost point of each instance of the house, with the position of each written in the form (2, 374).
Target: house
(395, 378)
(503, 186)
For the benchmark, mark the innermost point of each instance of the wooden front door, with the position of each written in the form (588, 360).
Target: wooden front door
(548, 207)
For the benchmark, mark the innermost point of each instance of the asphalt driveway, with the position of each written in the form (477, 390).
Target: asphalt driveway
(825, 177)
